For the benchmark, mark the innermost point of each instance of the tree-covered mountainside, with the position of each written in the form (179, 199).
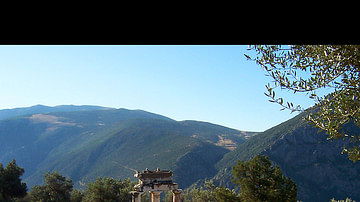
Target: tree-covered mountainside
(317, 166)
(86, 144)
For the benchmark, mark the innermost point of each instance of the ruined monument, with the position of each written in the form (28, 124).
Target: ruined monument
(155, 182)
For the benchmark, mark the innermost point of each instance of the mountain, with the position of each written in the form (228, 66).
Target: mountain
(85, 144)
(317, 166)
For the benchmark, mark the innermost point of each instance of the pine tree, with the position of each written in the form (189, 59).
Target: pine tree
(259, 180)
(10, 181)
(56, 188)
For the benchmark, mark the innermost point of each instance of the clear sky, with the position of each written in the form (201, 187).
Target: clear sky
(206, 83)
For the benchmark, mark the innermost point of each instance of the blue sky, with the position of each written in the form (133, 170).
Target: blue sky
(206, 83)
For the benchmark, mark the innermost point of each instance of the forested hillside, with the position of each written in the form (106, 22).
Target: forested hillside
(317, 166)
(84, 145)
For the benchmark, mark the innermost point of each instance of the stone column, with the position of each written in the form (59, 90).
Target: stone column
(136, 196)
(177, 195)
(155, 196)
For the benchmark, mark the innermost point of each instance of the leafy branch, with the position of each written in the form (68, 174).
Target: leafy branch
(309, 68)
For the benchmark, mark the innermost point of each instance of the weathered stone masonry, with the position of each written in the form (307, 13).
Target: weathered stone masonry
(155, 182)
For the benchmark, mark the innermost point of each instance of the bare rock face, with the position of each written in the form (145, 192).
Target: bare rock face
(317, 166)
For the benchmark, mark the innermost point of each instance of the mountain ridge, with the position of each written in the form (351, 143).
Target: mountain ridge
(85, 144)
(20, 111)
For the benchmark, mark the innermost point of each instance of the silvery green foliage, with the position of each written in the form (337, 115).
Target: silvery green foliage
(310, 68)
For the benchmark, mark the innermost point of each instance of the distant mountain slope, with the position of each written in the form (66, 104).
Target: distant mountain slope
(7, 113)
(32, 138)
(86, 144)
(319, 169)
(136, 144)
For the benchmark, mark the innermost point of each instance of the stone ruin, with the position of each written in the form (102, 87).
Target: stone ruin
(155, 182)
